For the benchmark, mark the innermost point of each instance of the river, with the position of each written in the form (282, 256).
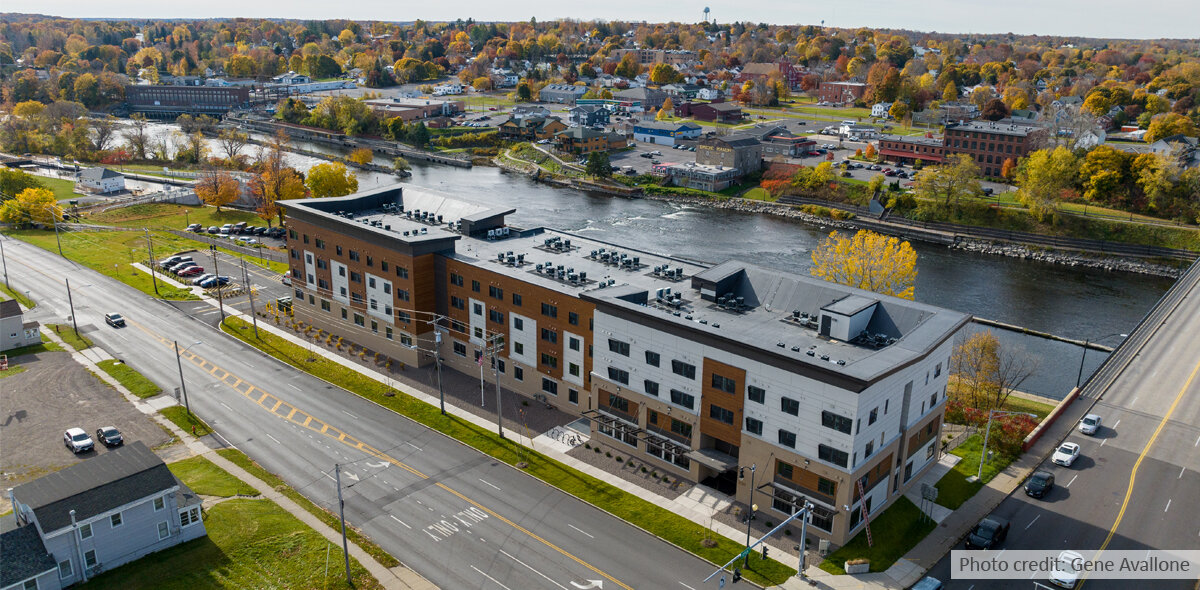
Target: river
(1072, 302)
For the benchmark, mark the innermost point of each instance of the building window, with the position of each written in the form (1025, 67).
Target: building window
(343, 313)
(518, 348)
(720, 414)
(683, 369)
(359, 320)
(723, 383)
(549, 386)
(477, 308)
(789, 406)
(836, 422)
(516, 299)
(933, 400)
(495, 292)
(550, 311)
(370, 261)
(320, 243)
(832, 455)
(826, 486)
(870, 449)
(573, 396)
(937, 371)
(374, 327)
(754, 426)
(85, 531)
(621, 348)
(618, 376)
(756, 394)
(357, 278)
(387, 332)
(651, 387)
(354, 255)
(618, 403)
(64, 569)
(573, 369)
(115, 520)
(383, 266)
(875, 415)
(495, 316)
(460, 349)
(475, 286)
(680, 398)
(89, 558)
(784, 470)
(457, 302)
(573, 319)
(189, 517)
(550, 360)
(403, 273)
(164, 530)
(518, 373)
(518, 324)
(401, 294)
(573, 343)
(455, 279)
(652, 358)
(787, 439)
(549, 335)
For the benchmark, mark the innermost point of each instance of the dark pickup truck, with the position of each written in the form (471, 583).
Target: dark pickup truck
(988, 534)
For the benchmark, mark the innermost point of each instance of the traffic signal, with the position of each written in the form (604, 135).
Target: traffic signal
(764, 551)
(737, 575)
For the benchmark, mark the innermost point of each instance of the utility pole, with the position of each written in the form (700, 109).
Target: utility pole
(220, 300)
(150, 250)
(182, 383)
(496, 346)
(5, 260)
(753, 509)
(437, 356)
(808, 506)
(54, 216)
(71, 301)
(337, 470)
(249, 292)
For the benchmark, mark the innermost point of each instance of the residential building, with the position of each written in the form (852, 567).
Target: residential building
(761, 72)
(561, 93)
(709, 93)
(650, 57)
(585, 140)
(531, 127)
(505, 79)
(98, 515)
(699, 176)
(665, 133)
(991, 143)
(908, 149)
(778, 141)
(447, 89)
(172, 101)
(101, 180)
(291, 78)
(741, 151)
(696, 370)
(648, 98)
(722, 112)
(589, 114)
(859, 130)
(15, 332)
(841, 92)
(1181, 150)
(415, 109)
(683, 91)
(879, 110)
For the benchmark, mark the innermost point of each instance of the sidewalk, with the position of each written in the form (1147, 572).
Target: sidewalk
(397, 578)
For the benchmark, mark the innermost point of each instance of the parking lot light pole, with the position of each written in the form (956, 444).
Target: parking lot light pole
(182, 383)
(753, 509)
(220, 299)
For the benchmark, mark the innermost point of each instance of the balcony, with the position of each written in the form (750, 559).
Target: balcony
(813, 494)
(674, 436)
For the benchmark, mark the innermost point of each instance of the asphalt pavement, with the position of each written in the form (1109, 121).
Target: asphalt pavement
(457, 517)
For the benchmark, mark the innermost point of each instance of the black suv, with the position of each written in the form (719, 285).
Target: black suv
(988, 534)
(1039, 484)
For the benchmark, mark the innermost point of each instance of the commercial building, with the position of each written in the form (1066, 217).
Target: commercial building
(650, 57)
(723, 112)
(908, 149)
(698, 176)
(172, 101)
(585, 140)
(95, 516)
(761, 72)
(589, 114)
(561, 93)
(841, 92)
(415, 109)
(991, 143)
(665, 133)
(697, 370)
(743, 152)
(781, 142)
(648, 98)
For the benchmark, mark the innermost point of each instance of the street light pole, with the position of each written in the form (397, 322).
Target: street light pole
(150, 251)
(71, 302)
(987, 432)
(337, 470)
(753, 509)
(5, 260)
(249, 293)
(808, 506)
(179, 363)
(437, 359)
(220, 300)
(1083, 357)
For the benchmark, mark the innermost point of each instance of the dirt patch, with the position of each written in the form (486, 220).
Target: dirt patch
(53, 394)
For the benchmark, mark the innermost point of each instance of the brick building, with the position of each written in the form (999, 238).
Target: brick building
(172, 101)
(907, 149)
(743, 152)
(991, 143)
(723, 112)
(841, 92)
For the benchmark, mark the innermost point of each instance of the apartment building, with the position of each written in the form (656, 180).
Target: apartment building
(991, 143)
(696, 370)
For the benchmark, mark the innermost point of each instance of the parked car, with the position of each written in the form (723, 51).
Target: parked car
(1064, 573)
(212, 229)
(202, 278)
(259, 231)
(195, 227)
(1090, 424)
(164, 263)
(114, 319)
(988, 534)
(175, 268)
(988, 191)
(178, 264)
(110, 436)
(191, 271)
(1066, 454)
(1039, 484)
(275, 232)
(251, 242)
(287, 278)
(78, 441)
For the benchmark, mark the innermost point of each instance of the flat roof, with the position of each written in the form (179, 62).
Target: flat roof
(994, 128)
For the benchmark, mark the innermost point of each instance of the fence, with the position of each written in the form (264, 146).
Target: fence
(260, 253)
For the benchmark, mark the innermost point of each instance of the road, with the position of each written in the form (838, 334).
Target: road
(455, 516)
(1136, 482)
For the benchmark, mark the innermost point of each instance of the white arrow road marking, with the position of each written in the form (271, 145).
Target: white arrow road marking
(381, 465)
(351, 475)
(490, 578)
(401, 522)
(590, 584)
(530, 568)
(581, 530)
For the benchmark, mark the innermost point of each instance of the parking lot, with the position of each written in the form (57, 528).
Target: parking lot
(55, 393)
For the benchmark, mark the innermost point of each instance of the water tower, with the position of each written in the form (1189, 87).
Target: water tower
(706, 11)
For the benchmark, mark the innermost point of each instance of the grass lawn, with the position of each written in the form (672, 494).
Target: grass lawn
(759, 194)
(12, 370)
(131, 379)
(250, 544)
(1020, 404)
(241, 460)
(953, 488)
(111, 252)
(46, 346)
(171, 216)
(185, 421)
(207, 479)
(10, 293)
(659, 521)
(68, 335)
(895, 531)
(64, 190)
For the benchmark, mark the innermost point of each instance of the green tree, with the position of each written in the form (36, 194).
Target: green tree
(1042, 177)
(401, 164)
(13, 181)
(598, 165)
(331, 179)
(524, 93)
(419, 136)
(952, 182)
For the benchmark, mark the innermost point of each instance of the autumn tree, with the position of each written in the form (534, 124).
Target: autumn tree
(138, 135)
(1008, 169)
(1168, 124)
(31, 205)
(867, 260)
(1043, 176)
(994, 110)
(274, 181)
(232, 142)
(103, 131)
(399, 163)
(664, 74)
(952, 182)
(331, 179)
(13, 181)
(984, 372)
(218, 189)
(870, 152)
(361, 156)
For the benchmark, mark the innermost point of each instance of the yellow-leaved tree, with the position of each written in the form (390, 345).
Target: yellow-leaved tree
(218, 189)
(32, 205)
(361, 156)
(985, 372)
(331, 179)
(867, 260)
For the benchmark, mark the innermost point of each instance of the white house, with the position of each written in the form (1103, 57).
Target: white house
(291, 78)
(102, 180)
(708, 93)
(879, 110)
(444, 89)
(14, 331)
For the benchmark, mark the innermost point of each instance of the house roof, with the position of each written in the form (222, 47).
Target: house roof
(25, 555)
(760, 69)
(581, 133)
(95, 486)
(10, 308)
(666, 126)
(98, 174)
(738, 140)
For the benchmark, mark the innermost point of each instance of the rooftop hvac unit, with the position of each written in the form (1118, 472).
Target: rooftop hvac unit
(439, 218)
(811, 353)
(612, 282)
(716, 325)
(388, 227)
(406, 234)
(538, 267)
(637, 261)
(501, 257)
(520, 259)
(491, 233)
(424, 230)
